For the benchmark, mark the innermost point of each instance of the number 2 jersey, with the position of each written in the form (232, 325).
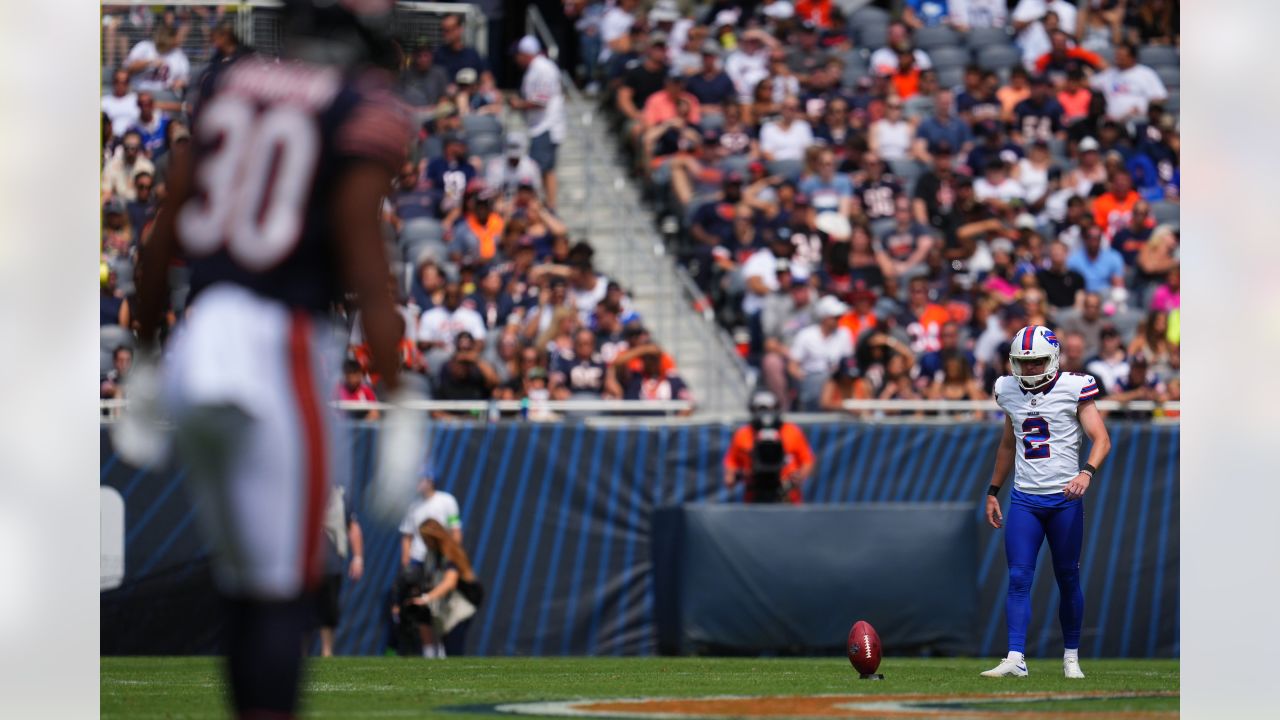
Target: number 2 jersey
(271, 140)
(1046, 430)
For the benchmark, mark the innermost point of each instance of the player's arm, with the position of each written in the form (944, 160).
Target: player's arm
(733, 459)
(356, 536)
(162, 247)
(406, 542)
(1004, 463)
(364, 262)
(1096, 429)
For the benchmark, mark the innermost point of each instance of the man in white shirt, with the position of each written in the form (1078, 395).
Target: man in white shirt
(440, 326)
(1128, 86)
(885, 60)
(513, 169)
(1029, 20)
(121, 106)
(996, 187)
(159, 64)
(788, 138)
(817, 350)
(615, 28)
(542, 100)
(966, 14)
(749, 64)
(435, 505)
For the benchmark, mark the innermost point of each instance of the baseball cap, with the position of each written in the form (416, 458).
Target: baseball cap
(780, 10)
(487, 194)
(733, 176)
(1025, 221)
(1003, 245)
(831, 307)
(658, 38)
(529, 45)
(847, 369)
(1089, 145)
(114, 206)
(835, 225)
(466, 76)
(710, 47)
(660, 14)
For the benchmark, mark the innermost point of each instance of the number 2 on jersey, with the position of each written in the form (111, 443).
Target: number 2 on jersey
(1036, 439)
(254, 182)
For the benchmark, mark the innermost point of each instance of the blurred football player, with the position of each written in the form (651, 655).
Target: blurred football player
(1048, 412)
(275, 212)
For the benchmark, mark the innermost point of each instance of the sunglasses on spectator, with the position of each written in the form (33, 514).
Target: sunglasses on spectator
(143, 185)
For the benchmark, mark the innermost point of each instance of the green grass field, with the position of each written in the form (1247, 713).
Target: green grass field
(176, 688)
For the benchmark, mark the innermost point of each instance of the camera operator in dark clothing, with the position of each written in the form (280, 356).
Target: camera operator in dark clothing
(772, 456)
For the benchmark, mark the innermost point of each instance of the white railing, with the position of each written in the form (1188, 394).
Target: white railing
(953, 406)
(482, 407)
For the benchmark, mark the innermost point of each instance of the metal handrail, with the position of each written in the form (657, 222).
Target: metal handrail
(481, 406)
(991, 406)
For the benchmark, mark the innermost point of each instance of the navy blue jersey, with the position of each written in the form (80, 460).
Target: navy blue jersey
(271, 140)
(878, 196)
(1038, 121)
(578, 375)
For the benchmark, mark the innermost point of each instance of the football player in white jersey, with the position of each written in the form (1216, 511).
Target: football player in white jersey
(1047, 412)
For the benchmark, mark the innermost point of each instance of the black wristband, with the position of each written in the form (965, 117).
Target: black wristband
(993, 490)
(1091, 469)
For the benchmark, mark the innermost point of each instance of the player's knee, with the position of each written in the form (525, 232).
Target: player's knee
(1067, 574)
(1020, 577)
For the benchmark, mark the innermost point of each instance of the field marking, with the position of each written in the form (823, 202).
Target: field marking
(833, 706)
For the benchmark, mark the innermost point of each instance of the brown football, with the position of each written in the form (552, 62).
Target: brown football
(864, 647)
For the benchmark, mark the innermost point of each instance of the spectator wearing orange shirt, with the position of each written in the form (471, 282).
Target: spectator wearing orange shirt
(770, 456)
(661, 106)
(817, 12)
(861, 317)
(476, 237)
(923, 319)
(906, 78)
(1113, 209)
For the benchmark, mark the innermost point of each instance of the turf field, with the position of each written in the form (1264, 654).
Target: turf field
(176, 688)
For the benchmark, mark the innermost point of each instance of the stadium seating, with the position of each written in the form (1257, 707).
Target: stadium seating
(938, 36)
(951, 77)
(1169, 75)
(873, 36)
(869, 15)
(949, 57)
(984, 37)
(999, 57)
(1166, 213)
(1157, 55)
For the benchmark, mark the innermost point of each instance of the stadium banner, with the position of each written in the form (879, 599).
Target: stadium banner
(557, 519)
(747, 579)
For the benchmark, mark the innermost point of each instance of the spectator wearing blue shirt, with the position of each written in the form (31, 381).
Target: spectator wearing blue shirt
(152, 125)
(943, 127)
(828, 190)
(453, 54)
(449, 175)
(1101, 267)
(711, 86)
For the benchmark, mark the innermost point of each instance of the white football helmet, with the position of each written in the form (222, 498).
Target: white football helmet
(1034, 342)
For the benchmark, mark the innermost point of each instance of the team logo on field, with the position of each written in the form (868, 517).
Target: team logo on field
(839, 706)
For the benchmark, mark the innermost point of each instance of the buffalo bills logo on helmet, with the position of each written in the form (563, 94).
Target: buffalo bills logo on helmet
(1050, 337)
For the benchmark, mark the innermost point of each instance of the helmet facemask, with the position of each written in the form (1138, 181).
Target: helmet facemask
(1034, 370)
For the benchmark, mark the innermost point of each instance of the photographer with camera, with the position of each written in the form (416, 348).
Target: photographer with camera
(435, 600)
(770, 456)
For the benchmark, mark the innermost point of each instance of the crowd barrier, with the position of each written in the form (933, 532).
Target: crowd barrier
(557, 518)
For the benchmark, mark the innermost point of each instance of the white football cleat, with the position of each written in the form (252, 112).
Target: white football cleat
(1007, 668)
(1071, 669)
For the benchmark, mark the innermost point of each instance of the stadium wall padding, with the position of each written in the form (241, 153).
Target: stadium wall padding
(735, 579)
(557, 520)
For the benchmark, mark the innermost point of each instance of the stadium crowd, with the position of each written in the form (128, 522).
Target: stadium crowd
(498, 302)
(876, 202)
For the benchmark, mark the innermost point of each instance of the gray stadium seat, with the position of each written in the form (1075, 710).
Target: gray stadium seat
(908, 171)
(852, 74)
(736, 163)
(936, 37)
(112, 337)
(1174, 103)
(484, 144)
(1166, 213)
(1107, 53)
(998, 57)
(869, 15)
(854, 58)
(421, 230)
(479, 124)
(873, 36)
(919, 106)
(105, 362)
(415, 252)
(946, 57)
(951, 77)
(786, 168)
(1169, 75)
(1156, 55)
(982, 37)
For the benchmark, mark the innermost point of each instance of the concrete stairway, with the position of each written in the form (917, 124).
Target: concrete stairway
(600, 204)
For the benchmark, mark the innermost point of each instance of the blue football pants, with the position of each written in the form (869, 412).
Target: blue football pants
(1030, 519)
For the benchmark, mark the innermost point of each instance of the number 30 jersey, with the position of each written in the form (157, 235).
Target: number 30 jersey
(271, 140)
(1047, 433)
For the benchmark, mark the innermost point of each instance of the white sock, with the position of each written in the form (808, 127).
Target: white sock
(440, 650)
(1016, 656)
(429, 650)
(1071, 654)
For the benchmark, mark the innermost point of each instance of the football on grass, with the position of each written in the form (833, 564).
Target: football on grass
(864, 647)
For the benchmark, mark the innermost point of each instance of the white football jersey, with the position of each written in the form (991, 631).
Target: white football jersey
(1046, 430)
